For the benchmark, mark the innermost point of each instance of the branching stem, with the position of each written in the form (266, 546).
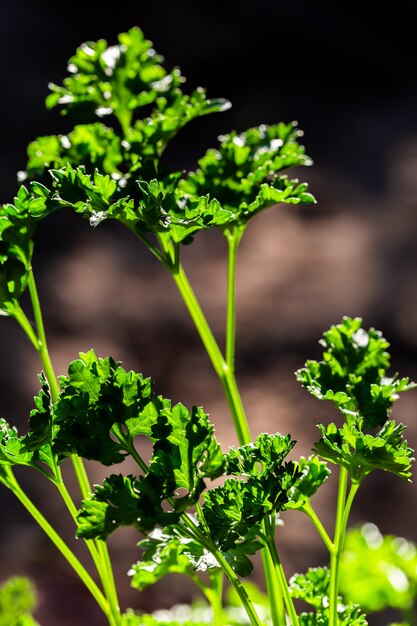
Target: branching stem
(344, 505)
(233, 237)
(14, 486)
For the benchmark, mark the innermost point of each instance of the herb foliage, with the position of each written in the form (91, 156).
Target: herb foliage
(126, 108)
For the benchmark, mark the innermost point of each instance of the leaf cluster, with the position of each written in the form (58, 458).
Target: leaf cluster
(34, 449)
(235, 510)
(243, 173)
(100, 411)
(165, 552)
(115, 170)
(361, 453)
(313, 588)
(353, 375)
(17, 227)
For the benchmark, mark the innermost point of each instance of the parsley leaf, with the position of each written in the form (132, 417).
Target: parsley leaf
(235, 510)
(313, 474)
(352, 373)
(242, 174)
(40, 419)
(17, 228)
(96, 395)
(361, 453)
(312, 587)
(166, 552)
(269, 451)
(14, 450)
(99, 412)
(155, 206)
(17, 602)
(117, 80)
(349, 615)
(92, 145)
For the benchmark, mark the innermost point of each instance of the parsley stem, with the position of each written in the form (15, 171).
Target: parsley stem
(233, 237)
(43, 351)
(214, 594)
(342, 514)
(21, 318)
(42, 347)
(280, 578)
(225, 371)
(153, 249)
(98, 553)
(273, 590)
(108, 581)
(67, 553)
(308, 510)
(239, 588)
(222, 369)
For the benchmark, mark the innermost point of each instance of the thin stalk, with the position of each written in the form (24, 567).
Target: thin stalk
(289, 604)
(26, 326)
(153, 249)
(43, 351)
(42, 347)
(233, 238)
(278, 580)
(109, 584)
(273, 589)
(99, 554)
(67, 553)
(132, 451)
(239, 588)
(225, 374)
(352, 493)
(223, 371)
(337, 547)
(308, 510)
(214, 595)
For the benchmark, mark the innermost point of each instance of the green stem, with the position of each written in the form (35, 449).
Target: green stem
(280, 575)
(42, 347)
(239, 588)
(222, 369)
(99, 554)
(43, 351)
(308, 509)
(233, 238)
(273, 590)
(214, 595)
(342, 514)
(107, 578)
(129, 445)
(58, 542)
(21, 318)
(153, 249)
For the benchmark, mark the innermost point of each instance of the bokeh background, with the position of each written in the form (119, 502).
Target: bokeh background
(346, 72)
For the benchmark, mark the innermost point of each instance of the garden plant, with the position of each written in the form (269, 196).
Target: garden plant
(126, 108)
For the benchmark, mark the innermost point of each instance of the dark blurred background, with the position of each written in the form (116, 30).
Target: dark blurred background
(346, 72)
